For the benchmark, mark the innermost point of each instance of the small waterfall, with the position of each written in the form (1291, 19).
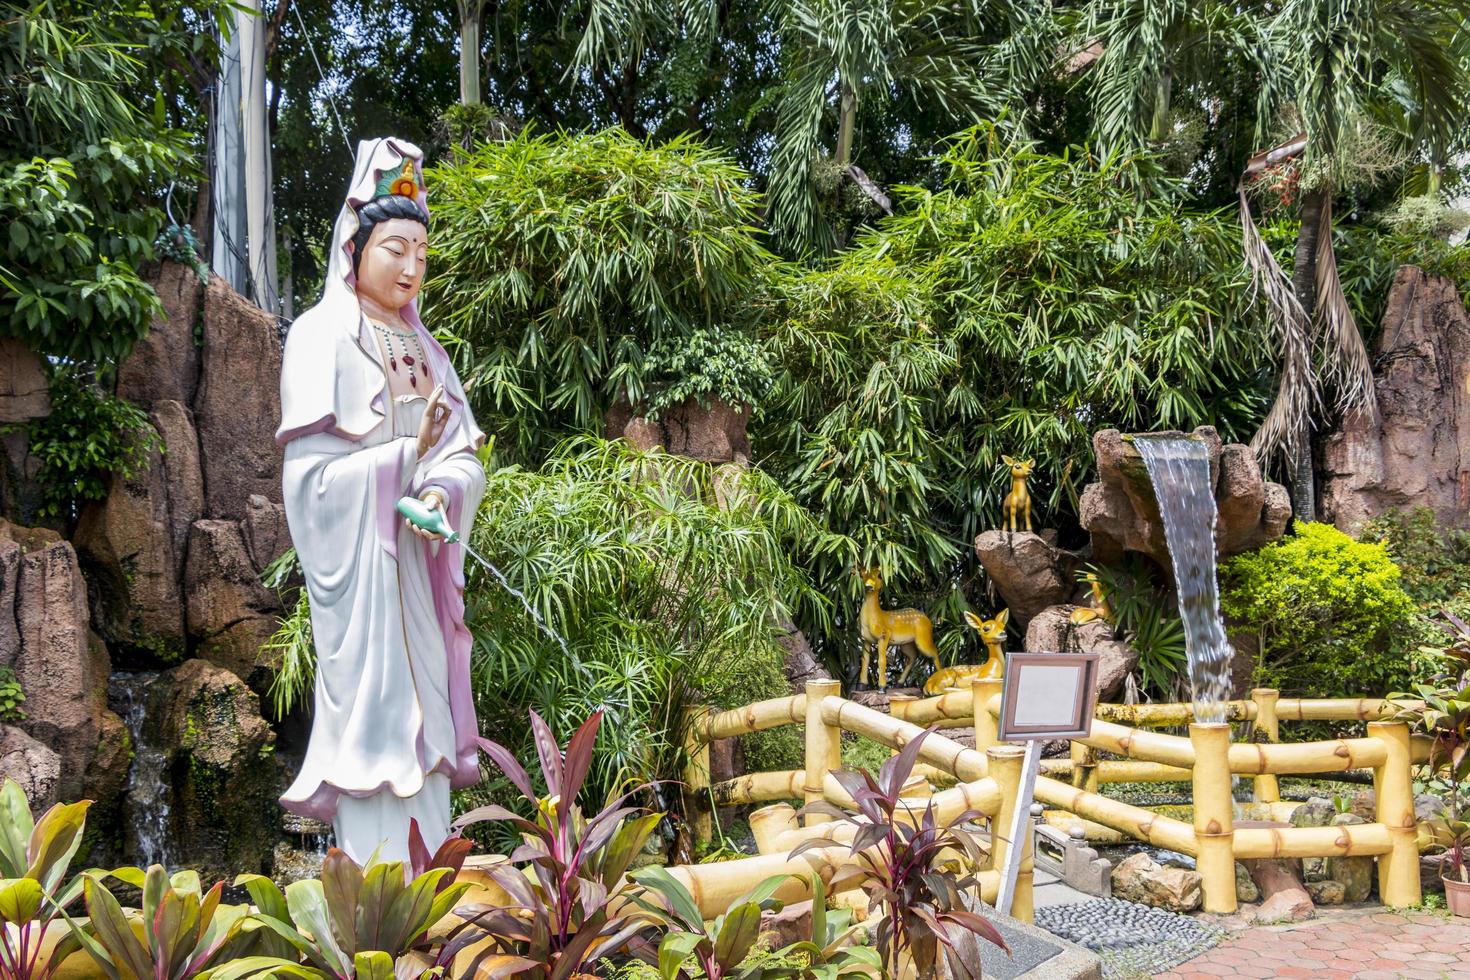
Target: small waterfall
(1179, 469)
(148, 788)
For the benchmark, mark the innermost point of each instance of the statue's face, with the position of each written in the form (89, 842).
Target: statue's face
(391, 271)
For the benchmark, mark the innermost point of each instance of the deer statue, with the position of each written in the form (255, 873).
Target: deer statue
(993, 635)
(908, 629)
(1100, 608)
(1017, 504)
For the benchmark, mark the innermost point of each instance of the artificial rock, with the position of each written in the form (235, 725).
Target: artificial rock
(230, 613)
(1121, 513)
(1030, 572)
(713, 433)
(31, 764)
(238, 405)
(61, 665)
(1413, 450)
(1355, 874)
(1052, 631)
(223, 772)
(164, 365)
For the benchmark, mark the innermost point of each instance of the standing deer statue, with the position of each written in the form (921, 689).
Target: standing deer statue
(908, 629)
(1017, 505)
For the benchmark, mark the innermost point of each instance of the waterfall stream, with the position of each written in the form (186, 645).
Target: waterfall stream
(148, 788)
(1179, 469)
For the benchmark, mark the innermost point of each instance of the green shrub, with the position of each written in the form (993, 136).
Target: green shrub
(88, 437)
(1332, 615)
(11, 697)
(668, 580)
(725, 364)
(1028, 301)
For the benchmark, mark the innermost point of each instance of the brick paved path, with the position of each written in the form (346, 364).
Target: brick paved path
(1358, 945)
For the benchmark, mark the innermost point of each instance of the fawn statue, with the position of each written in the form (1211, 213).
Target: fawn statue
(993, 635)
(1017, 505)
(906, 628)
(1100, 608)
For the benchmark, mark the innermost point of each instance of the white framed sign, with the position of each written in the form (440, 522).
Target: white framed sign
(1046, 696)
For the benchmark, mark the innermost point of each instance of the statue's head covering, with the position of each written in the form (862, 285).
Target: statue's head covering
(331, 341)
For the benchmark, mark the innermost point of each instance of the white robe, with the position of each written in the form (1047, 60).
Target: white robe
(393, 727)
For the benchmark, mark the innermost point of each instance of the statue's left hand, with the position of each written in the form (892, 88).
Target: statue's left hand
(436, 502)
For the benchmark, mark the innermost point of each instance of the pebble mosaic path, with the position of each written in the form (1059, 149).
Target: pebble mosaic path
(1365, 944)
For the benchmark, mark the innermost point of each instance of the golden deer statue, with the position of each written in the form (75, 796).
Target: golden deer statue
(908, 629)
(1100, 608)
(993, 635)
(1017, 505)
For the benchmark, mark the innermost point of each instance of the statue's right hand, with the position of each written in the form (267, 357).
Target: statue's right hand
(436, 417)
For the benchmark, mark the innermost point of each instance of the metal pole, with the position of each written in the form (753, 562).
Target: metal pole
(1030, 766)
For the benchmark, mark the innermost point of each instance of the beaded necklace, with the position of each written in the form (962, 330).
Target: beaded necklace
(397, 346)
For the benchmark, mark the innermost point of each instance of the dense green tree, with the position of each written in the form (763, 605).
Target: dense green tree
(1029, 302)
(84, 160)
(558, 262)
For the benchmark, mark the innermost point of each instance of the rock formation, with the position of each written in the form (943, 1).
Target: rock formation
(712, 435)
(224, 775)
(1120, 511)
(1029, 571)
(1054, 632)
(174, 555)
(23, 396)
(61, 665)
(165, 571)
(1415, 450)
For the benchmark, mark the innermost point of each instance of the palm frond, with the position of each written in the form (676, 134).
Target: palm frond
(1296, 394)
(1347, 368)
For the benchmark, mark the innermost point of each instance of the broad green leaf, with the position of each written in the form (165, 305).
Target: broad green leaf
(674, 951)
(374, 965)
(20, 899)
(15, 829)
(114, 933)
(308, 905)
(738, 932)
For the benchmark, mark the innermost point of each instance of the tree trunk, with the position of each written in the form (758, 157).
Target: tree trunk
(1304, 285)
(470, 12)
(845, 127)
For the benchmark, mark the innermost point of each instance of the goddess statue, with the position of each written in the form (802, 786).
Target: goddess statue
(372, 410)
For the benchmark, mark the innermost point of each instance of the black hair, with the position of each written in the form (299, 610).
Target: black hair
(380, 209)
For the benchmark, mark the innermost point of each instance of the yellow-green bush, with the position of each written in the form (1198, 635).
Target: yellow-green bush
(1332, 615)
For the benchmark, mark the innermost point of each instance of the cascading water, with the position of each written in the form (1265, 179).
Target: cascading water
(1179, 469)
(148, 789)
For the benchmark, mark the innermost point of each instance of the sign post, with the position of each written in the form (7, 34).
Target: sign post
(1046, 696)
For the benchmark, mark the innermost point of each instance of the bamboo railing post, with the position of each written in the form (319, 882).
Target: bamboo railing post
(697, 805)
(898, 708)
(1393, 789)
(1214, 827)
(981, 691)
(823, 745)
(1005, 768)
(1267, 789)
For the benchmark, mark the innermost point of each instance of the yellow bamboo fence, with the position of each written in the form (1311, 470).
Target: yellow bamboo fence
(988, 774)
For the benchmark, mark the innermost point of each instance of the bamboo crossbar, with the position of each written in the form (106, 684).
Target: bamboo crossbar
(1142, 824)
(756, 717)
(1358, 840)
(989, 777)
(965, 763)
(1120, 771)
